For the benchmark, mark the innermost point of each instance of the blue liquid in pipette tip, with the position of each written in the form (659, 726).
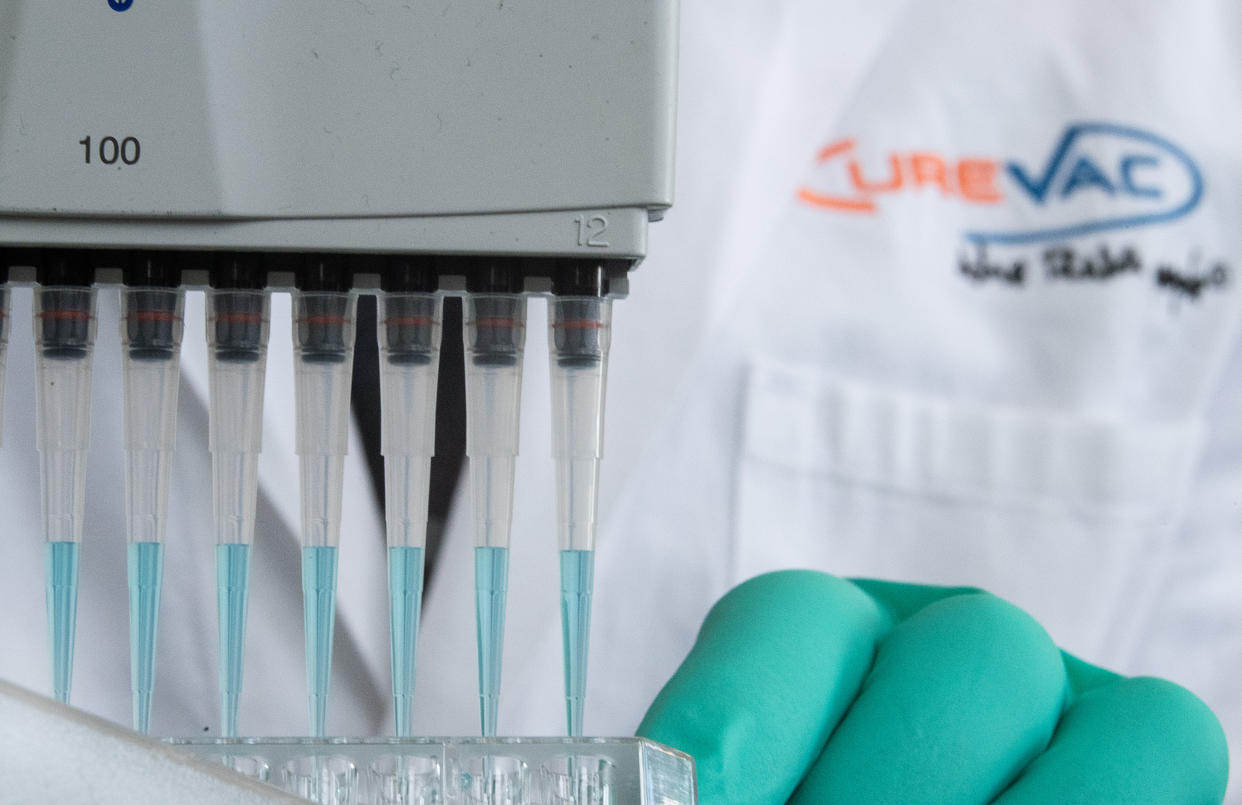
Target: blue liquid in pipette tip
(577, 582)
(232, 580)
(62, 612)
(318, 615)
(491, 582)
(405, 594)
(146, 572)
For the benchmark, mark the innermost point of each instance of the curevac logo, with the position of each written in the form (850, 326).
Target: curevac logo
(1098, 177)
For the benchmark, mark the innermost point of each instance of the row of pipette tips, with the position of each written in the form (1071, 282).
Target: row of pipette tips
(409, 335)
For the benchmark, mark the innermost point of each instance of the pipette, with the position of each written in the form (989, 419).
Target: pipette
(323, 345)
(579, 328)
(409, 338)
(64, 331)
(495, 333)
(152, 308)
(237, 331)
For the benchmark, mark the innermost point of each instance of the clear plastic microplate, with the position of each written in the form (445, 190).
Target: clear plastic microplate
(461, 771)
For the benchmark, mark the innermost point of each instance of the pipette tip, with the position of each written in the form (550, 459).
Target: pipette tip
(232, 585)
(491, 582)
(62, 612)
(142, 711)
(146, 572)
(405, 592)
(577, 582)
(228, 714)
(319, 613)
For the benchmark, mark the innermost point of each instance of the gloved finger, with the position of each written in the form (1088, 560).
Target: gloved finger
(962, 695)
(777, 662)
(1129, 741)
(1083, 676)
(902, 599)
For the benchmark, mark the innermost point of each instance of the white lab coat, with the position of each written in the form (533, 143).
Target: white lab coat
(793, 384)
(797, 386)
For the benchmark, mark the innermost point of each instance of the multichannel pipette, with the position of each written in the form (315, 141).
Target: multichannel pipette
(326, 195)
(579, 328)
(409, 339)
(64, 330)
(152, 307)
(323, 344)
(237, 332)
(495, 334)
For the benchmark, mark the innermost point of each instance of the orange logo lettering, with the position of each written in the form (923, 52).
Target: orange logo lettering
(970, 179)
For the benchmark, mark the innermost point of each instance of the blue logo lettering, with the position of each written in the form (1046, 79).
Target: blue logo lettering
(1128, 164)
(1142, 177)
(1085, 174)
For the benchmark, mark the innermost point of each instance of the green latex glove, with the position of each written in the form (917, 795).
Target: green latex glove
(807, 688)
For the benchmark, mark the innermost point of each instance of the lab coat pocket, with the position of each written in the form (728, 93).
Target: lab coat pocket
(1066, 516)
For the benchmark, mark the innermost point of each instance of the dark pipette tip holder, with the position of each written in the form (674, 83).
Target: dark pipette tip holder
(152, 318)
(238, 307)
(410, 311)
(322, 310)
(578, 333)
(67, 304)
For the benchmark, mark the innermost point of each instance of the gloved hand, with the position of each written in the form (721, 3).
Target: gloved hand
(807, 688)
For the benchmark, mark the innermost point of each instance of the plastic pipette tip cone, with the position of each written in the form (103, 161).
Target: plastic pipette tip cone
(403, 713)
(577, 583)
(405, 592)
(232, 585)
(62, 613)
(229, 703)
(146, 572)
(491, 582)
(319, 614)
(142, 711)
